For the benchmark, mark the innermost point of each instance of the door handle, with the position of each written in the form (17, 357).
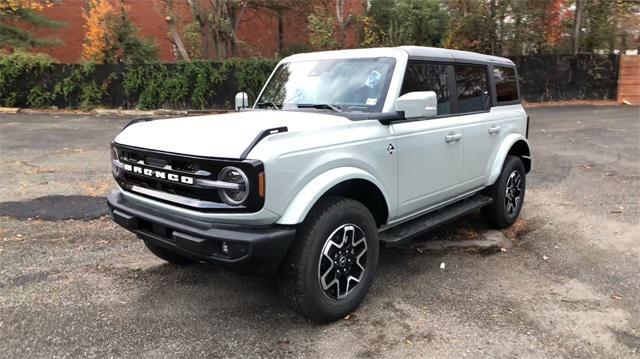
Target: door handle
(494, 129)
(453, 137)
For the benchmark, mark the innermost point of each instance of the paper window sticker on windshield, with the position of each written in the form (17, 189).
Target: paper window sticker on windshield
(372, 101)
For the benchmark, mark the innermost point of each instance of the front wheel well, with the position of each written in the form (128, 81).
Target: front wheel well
(366, 193)
(521, 149)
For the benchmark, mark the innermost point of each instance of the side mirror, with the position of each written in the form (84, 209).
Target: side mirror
(418, 104)
(242, 101)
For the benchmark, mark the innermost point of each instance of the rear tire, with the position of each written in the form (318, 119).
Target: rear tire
(332, 261)
(169, 255)
(507, 193)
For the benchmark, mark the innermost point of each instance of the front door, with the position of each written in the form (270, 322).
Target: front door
(429, 162)
(430, 151)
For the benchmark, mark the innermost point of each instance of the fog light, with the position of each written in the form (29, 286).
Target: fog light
(224, 248)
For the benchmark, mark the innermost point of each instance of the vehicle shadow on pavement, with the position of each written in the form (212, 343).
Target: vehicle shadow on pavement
(212, 293)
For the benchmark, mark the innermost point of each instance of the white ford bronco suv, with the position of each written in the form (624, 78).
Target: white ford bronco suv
(342, 152)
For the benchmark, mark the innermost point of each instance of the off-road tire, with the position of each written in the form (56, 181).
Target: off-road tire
(298, 276)
(169, 255)
(497, 214)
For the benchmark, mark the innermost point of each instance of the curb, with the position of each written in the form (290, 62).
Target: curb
(113, 112)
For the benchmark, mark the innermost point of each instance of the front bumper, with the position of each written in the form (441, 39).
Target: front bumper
(250, 249)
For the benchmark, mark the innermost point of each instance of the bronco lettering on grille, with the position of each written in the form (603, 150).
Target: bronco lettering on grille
(158, 174)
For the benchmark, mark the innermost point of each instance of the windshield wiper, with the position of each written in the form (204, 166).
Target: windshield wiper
(268, 103)
(320, 106)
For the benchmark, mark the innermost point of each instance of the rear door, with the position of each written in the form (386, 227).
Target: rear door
(473, 107)
(430, 151)
(486, 125)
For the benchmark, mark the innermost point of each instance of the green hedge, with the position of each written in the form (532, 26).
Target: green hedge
(35, 81)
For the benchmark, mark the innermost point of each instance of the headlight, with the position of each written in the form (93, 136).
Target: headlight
(114, 157)
(234, 197)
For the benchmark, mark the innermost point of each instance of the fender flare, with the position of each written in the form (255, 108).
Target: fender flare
(501, 155)
(304, 200)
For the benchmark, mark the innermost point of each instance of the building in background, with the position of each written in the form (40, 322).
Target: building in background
(261, 31)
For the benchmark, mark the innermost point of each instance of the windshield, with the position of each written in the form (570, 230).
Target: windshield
(345, 84)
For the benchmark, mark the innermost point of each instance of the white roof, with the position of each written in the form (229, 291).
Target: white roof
(414, 52)
(436, 53)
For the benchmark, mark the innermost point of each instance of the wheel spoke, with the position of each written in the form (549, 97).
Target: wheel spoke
(342, 261)
(513, 192)
(348, 235)
(518, 181)
(359, 259)
(323, 279)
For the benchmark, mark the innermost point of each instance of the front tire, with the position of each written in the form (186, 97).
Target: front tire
(507, 193)
(332, 262)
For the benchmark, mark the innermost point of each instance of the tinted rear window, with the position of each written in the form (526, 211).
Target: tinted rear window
(472, 88)
(506, 84)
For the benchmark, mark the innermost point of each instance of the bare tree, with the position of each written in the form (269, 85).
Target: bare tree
(344, 21)
(174, 36)
(218, 22)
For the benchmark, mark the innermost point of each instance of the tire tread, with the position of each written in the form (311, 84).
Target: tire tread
(290, 275)
(493, 214)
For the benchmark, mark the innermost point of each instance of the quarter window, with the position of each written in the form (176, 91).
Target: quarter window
(472, 88)
(506, 85)
(421, 76)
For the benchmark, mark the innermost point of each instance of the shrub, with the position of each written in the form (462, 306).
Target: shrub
(28, 80)
(21, 75)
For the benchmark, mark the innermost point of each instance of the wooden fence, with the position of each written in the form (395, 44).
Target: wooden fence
(629, 80)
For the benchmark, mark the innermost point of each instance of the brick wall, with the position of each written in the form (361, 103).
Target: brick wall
(257, 33)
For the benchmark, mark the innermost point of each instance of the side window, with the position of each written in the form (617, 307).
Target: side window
(472, 88)
(506, 84)
(422, 76)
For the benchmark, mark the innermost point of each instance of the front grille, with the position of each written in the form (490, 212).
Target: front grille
(181, 167)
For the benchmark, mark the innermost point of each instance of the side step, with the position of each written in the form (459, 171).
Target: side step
(397, 235)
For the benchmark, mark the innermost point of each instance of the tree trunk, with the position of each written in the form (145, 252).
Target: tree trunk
(174, 35)
(500, 34)
(492, 33)
(235, 14)
(340, 19)
(177, 40)
(280, 30)
(577, 25)
(516, 47)
(218, 38)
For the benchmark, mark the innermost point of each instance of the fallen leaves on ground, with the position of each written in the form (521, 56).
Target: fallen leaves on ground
(520, 227)
(468, 234)
(96, 189)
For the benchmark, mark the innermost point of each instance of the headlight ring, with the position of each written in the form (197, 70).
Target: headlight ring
(235, 175)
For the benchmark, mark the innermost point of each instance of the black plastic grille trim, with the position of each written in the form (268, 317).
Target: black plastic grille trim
(192, 166)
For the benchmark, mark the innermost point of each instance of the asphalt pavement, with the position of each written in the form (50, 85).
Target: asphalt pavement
(567, 286)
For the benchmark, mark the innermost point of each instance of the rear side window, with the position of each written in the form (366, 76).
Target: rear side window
(472, 88)
(422, 76)
(506, 84)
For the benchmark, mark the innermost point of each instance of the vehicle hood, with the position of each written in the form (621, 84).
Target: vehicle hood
(223, 135)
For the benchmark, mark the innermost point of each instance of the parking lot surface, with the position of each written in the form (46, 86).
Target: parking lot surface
(569, 286)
